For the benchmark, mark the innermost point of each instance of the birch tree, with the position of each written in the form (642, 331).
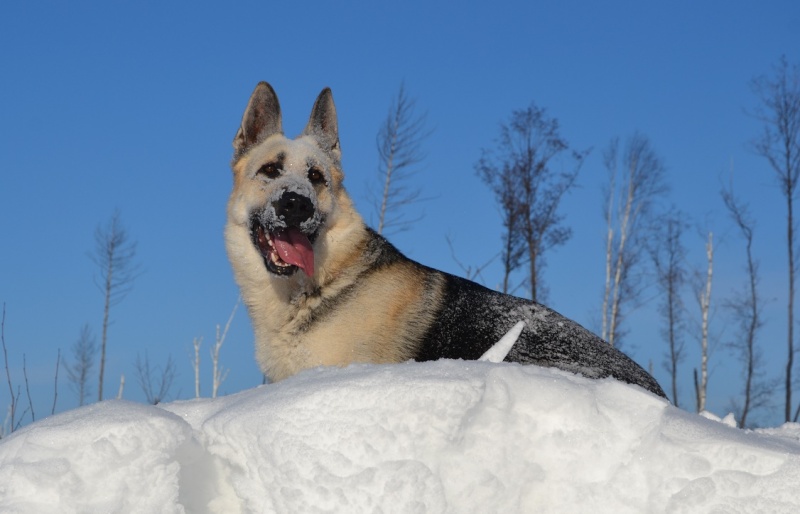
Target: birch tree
(530, 171)
(114, 255)
(400, 150)
(779, 144)
(703, 292)
(635, 180)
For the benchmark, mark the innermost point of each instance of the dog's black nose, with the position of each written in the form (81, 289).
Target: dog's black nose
(294, 208)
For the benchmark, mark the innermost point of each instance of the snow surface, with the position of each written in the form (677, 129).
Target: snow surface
(446, 436)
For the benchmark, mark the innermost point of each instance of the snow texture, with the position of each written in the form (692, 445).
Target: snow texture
(432, 437)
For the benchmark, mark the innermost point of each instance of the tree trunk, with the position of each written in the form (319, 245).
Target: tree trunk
(106, 308)
(790, 356)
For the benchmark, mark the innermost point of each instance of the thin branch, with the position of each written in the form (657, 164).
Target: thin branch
(55, 391)
(469, 272)
(219, 375)
(196, 342)
(8, 373)
(121, 386)
(27, 388)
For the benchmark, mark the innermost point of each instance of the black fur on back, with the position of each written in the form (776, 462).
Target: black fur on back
(471, 318)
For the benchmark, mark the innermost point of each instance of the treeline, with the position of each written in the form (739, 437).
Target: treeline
(644, 240)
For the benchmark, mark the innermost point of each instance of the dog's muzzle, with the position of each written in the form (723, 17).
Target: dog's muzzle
(284, 231)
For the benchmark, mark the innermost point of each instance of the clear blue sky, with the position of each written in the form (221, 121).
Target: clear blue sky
(133, 105)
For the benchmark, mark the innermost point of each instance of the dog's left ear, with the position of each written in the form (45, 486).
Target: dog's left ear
(323, 124)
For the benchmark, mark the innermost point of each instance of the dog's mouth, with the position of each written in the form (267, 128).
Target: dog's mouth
(285, 250)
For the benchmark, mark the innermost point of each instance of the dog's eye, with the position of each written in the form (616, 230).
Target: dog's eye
(270, 170)
(316, 176)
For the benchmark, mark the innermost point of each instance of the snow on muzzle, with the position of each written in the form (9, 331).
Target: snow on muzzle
(284, 232)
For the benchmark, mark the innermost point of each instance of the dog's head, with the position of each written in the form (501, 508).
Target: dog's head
(284, 189)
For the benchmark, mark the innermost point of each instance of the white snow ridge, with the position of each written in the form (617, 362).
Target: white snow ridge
(436, 437)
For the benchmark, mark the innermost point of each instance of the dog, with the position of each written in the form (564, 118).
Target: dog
(323, 289)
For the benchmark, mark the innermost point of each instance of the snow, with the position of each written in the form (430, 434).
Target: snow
(500, 349)
(446, 436)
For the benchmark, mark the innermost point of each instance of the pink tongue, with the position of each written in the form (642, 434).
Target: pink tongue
(295, 248)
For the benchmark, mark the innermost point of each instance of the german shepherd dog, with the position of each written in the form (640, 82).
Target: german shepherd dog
(323, 289)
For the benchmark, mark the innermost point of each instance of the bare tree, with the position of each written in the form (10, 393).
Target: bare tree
(505, 185)
(55, 381)
(779, 144)
(218, 373)
(14, 398)
(114, 255)
(669, 254)
(399, 141)
(522, 173)
(14, 418)
(155, 382)
(196, 342)
(703, 292)
(746, 309)
(27, 388)
(83, 352)
(121, 386)
(628, 198)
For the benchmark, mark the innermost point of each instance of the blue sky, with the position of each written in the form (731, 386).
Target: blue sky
(133, 105)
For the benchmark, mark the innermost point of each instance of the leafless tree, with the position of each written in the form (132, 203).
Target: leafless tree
(779, 144)
(703, 292)
(635, 180)
(669, 254)
(28, 388)
(521, 171)
(83, 352)
(746, 309)
(218, 373)
(155, 382)
(505, 185)
(121, 386)
(399, 141)
(196, 342)
(55, 391)
(14, 398)
(114, 255)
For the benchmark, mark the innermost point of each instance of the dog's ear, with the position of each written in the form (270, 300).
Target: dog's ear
(323, 125)
(261, 119)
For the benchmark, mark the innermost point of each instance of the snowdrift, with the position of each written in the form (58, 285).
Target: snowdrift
(447, 436)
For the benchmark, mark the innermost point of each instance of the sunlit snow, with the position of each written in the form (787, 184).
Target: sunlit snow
(447, 436)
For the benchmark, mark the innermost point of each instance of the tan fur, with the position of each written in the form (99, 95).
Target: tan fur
(379, 321)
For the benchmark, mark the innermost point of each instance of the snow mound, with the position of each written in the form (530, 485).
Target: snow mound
(447, 436)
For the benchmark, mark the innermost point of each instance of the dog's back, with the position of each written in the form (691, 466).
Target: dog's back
(469, 318)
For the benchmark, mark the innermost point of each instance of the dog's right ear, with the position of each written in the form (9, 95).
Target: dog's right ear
(261, 119)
